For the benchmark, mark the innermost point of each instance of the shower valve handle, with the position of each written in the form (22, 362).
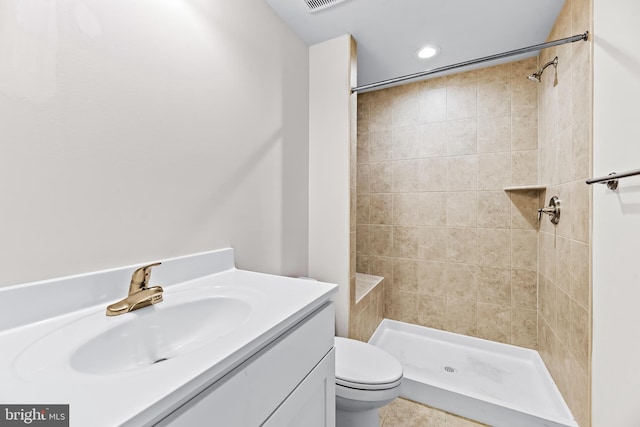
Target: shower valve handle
(553, 210)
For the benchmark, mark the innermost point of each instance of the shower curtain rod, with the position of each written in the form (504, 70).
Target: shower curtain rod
(572, 39)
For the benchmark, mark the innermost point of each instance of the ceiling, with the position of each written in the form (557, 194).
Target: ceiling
(389, 32)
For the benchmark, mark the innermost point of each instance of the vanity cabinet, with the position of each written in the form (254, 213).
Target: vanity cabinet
(289, 382)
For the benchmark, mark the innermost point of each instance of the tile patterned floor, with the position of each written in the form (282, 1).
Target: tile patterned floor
(405, 413)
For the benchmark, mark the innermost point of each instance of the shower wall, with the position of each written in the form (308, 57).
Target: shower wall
(564, 315)
(457, 251)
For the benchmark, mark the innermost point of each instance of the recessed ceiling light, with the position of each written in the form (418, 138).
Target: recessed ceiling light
(427, 52)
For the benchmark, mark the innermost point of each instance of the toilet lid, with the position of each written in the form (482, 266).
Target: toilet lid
(363, 366)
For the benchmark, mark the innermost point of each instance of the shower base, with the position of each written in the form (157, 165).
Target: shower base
(493, 383)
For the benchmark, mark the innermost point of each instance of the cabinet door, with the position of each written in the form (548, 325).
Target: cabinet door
(313, 402)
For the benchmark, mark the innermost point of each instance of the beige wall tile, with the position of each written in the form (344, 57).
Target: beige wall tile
(461, 316)
(548, 255)
(381, 177)
(462, 245)
(563, 264)
(494, 133)
(381, 209)
(432, 174)
(462, 101)
(380, 146)
(405, 275)
(494, 285)
(524, 249)
(406, 208)
(431, 279)
(362, 240)
(494, 247)
(581, 81)
(405, 107)
(524, 95)
(433, 105)
(523, 328)
(462, 137)
(461, 281)
(524, 289)
(564, 155)
(405, 143)
(547, 301)
(462, 208)
(581, 148)
(524, 209)
(362, 209)
(407, 307)
(362, 260)
(579, 262)
(579, 343)
(432, 209)
(563, 329)
(469, 78)
(462, 173)
(353, 209)
(432, 311)
(494, 97)
(497, 74)
(579, 213)
(433, 243)
(380, 111)
(494, 322)
(432, 140)
(406, 176)
(363, 181)
(363, 113)
(524, 167)
(381, 266)
(381, 240)
(406, 241)
(494, 171)
(363, 148)
(494, 209)
(524, 129)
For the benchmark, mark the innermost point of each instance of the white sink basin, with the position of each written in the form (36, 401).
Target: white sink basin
(183, 323)
(156, 334)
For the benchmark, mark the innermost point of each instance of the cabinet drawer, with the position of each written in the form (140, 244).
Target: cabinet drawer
(250, 393)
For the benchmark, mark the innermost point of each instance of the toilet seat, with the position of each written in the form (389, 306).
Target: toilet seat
(362, 366)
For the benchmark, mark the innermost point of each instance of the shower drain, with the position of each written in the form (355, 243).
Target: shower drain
(450, 369)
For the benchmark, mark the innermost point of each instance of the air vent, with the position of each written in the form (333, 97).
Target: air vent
(318, 5)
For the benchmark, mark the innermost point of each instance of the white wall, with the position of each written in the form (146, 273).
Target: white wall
(329, 169)
(616, 215)
(132, 130)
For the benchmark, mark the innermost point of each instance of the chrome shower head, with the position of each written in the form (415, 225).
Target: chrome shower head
(537, 76)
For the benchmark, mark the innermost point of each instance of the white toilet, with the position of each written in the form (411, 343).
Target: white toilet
(367, 378)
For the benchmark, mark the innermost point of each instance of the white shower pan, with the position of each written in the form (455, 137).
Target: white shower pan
(493, 383)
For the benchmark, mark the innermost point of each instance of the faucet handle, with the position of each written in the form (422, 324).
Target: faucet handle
(140, 278)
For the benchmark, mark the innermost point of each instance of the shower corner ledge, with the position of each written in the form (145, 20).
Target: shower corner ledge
(526, 188)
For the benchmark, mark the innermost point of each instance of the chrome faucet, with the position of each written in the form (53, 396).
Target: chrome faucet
(140, 295)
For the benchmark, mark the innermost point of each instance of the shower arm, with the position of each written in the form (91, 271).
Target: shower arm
(572, 39)
(553, 62)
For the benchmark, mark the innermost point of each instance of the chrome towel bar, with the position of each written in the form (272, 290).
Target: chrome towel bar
(612, 179)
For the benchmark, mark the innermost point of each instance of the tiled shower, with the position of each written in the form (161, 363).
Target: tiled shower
(459, 252)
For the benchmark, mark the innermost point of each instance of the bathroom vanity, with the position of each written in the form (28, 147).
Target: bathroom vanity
(225, 347)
